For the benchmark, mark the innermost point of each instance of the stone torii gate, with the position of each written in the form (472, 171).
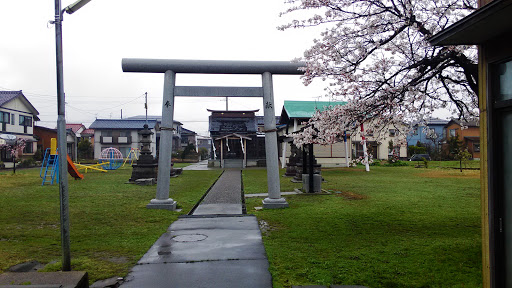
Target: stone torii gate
(172, 66)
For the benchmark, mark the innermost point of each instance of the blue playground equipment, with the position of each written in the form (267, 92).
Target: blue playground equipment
(50, 167)
(112, 157)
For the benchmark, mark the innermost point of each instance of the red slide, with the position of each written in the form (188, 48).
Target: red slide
(72, 169)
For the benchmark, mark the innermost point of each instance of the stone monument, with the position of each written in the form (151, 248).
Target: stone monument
(146, 166)
(295, 157)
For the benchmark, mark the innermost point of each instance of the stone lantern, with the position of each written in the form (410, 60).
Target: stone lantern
(146, 166)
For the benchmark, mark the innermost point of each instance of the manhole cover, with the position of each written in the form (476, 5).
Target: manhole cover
(189, 237)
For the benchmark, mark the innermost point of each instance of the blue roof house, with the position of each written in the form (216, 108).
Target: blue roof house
(431, 134)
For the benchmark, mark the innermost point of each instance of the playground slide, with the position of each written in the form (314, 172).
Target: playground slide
(72, 169)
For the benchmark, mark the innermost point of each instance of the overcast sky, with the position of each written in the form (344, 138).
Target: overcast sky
(99, 35)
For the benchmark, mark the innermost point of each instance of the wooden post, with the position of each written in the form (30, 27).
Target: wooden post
(245, 152)
(221, 154)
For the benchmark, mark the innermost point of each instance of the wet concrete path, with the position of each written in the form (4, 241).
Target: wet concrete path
(225, 197)
(217, 246)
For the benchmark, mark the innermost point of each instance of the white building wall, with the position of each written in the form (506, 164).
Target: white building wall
(97, 144)
(19, 109)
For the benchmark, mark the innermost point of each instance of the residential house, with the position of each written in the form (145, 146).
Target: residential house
(188, 137)
(206, 143)
(468, 133)
(88, 134)
(293, 114)
(177, 129)
(44, 135)
(76, 129)
(430, 134)
(490, 28)
(382, 143)
(17, 116)
(123, 134)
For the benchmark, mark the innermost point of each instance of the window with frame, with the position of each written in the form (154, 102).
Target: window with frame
(4, 117)
(476, 147)
(4, 120)
(453, 132)
(28, 148)
(12, 119)
(392, 133)
(25, 121)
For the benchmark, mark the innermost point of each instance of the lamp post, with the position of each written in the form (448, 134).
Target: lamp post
(61, 132)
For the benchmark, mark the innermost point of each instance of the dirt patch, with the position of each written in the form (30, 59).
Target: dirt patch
(471, 174)
(351, 195)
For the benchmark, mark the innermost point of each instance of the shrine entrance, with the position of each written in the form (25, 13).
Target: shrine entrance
(232, 150)
(172, 66)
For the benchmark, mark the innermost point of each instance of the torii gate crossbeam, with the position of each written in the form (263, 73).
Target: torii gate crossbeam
(172, 66)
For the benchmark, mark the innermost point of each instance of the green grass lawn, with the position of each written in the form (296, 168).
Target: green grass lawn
(110, 225)
(448, 164)
(255, 181)
(391, 227)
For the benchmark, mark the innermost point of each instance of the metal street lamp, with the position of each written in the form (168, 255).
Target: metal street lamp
(61, 132)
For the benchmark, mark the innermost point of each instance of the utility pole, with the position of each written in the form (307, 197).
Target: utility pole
(146, 107)
(61, 132)
(62, 144)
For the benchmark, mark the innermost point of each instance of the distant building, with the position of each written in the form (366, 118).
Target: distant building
(206, 143)
(433, 133)
(123, 134)
(188, 137)
(17, 116)
(44, 135)
(468, 133)
(294, 113)
(177, 126)
(382, 144)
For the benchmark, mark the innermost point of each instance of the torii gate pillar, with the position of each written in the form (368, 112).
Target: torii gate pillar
(162, 200)
(274, 199)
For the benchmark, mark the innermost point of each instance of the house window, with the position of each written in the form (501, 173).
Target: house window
(12, 119)
(392, 133)
(476, 147)
(453, 132)
(25, 121)
(4, 120)
(28, 148)
(106, 133)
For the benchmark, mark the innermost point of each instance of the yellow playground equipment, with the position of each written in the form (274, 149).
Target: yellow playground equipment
(133, 155)
(95, 167)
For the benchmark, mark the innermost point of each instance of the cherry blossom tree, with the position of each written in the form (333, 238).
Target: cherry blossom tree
(376, 56)
(15, 149)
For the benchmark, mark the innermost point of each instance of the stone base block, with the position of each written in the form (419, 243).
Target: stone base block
(317, 183)
(269, 203)
(168, 204)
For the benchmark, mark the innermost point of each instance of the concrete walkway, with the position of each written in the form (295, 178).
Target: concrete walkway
(217, 246)
(201, 165)
(225, 197)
